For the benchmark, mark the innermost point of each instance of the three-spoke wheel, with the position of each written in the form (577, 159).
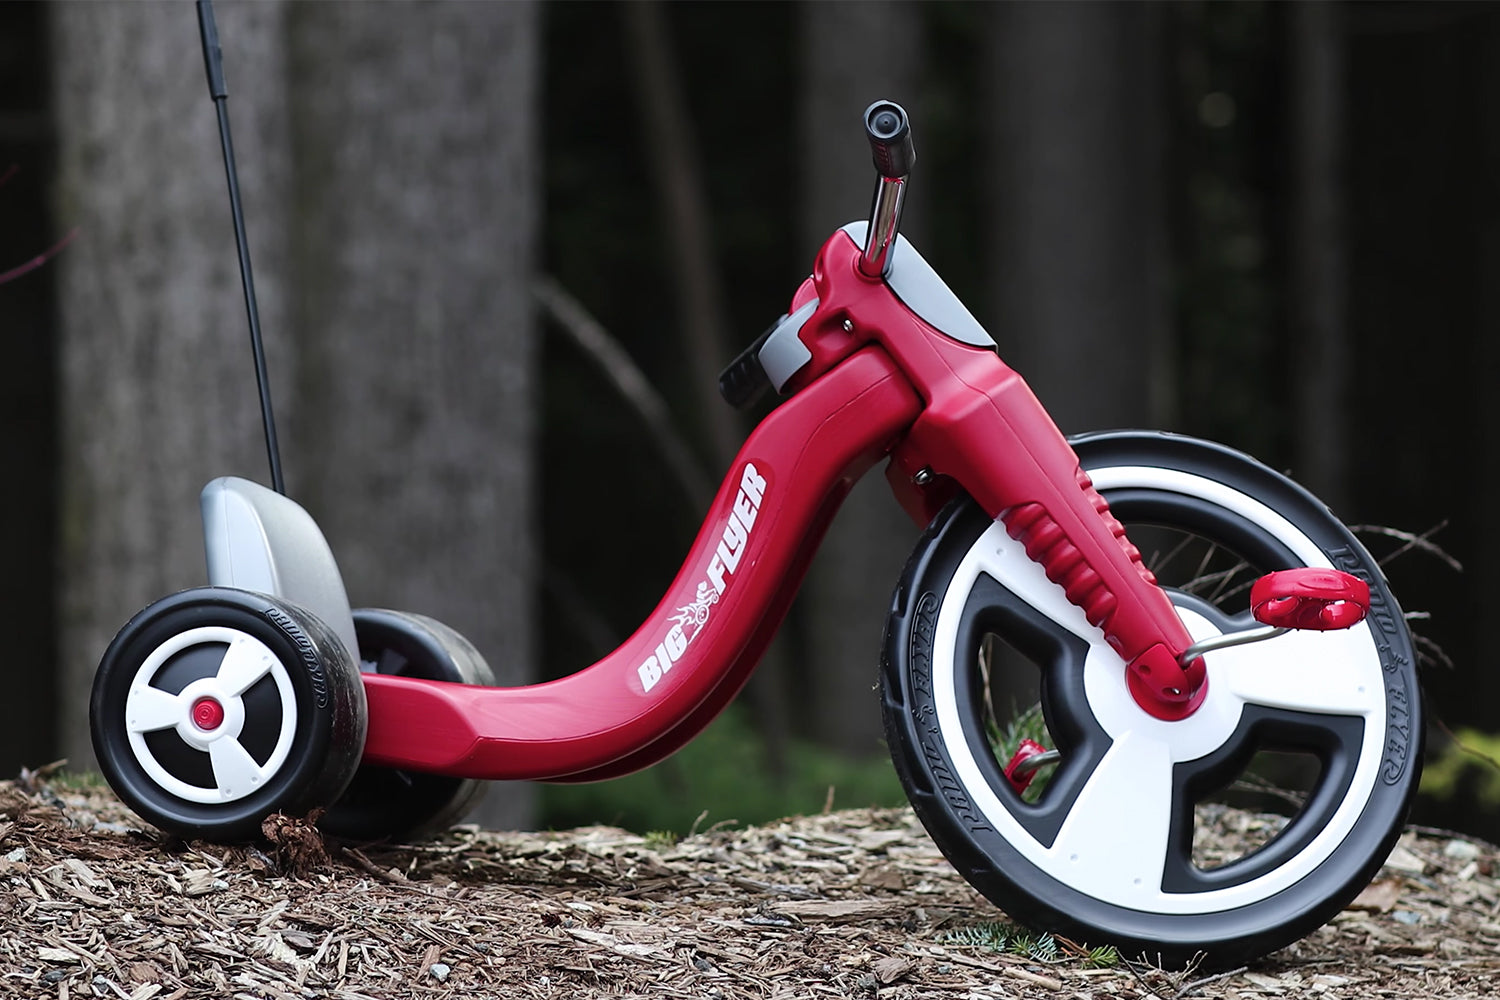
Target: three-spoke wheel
(383, 802)
(214, 708)
(1125, 843)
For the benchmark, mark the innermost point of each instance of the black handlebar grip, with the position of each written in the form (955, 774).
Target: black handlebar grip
(889, 132)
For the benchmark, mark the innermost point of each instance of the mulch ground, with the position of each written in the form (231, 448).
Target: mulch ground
(849, 904)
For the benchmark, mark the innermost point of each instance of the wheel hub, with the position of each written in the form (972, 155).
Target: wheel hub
(208, 714)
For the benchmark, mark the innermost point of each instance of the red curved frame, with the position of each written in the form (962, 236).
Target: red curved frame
(881, 382)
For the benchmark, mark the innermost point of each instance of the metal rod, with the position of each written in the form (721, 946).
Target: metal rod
(213, 59)
(1035, 763)
(885, 223)
(1229, 639)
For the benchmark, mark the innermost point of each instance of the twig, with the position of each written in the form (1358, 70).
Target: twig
(1196, 985)
(1139, 976)
(1045, 982)
(1255, 783)
(360, 861)
(39, 259)
(1441, 831)
(950, 956)
(593, 628)
(1464, 747)
(32, 780)
(1412, 542)
(1174, 979)
(590, 336)
(1431, 650)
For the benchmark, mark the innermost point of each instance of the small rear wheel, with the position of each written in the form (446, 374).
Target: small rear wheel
(214, 708)
(1125, 843)
(385, 803)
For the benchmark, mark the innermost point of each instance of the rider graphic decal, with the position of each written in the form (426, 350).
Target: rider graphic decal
(693, 616)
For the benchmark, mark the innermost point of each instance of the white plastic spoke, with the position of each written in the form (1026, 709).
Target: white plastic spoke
(235, 771)
(1332, 673)
(1114, 842)
(244, 663)
(148, 709)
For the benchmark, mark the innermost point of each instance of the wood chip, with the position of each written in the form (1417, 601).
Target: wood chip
(1404, 861)
(1378, 897)
(1046, 982)
(888, 970)
(841, 910)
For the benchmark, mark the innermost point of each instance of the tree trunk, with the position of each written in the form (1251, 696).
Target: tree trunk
(1077, 234)
(1074, 170)
(157, 394)
(28, 401)
(1476, 686)
(415, 216)
(843, 606)
(676, 168)
(1319, 346)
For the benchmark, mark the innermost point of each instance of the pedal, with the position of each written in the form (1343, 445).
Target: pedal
(1321, 600)
(1306, 598)
(1029, 758)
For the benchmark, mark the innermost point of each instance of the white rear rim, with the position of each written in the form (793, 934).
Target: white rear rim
(236, 774)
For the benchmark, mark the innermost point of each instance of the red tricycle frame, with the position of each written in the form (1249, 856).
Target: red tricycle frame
(881, 382)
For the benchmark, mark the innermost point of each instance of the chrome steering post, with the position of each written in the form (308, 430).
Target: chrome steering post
(891, 146)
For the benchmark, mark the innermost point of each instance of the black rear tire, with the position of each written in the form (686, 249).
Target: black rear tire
(385, 803)
(1105, 854)
(283, 723)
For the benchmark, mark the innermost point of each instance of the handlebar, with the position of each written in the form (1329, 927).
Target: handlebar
(889, 132)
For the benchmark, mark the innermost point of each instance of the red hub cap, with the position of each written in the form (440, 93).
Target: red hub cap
(208, 714)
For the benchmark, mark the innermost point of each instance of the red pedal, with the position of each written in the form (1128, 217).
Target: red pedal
(1017, 772)
(1310, 598)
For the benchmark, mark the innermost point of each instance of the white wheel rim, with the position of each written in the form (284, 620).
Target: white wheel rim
(1113, 844)
(150, 709)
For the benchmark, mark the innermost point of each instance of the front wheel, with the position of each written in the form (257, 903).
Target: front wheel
(1125, 844)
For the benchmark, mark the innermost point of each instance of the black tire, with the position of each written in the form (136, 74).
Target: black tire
(285, 723)
(384, 803)
(1105, 854)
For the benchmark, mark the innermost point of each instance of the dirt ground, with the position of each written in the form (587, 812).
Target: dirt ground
(849, 904)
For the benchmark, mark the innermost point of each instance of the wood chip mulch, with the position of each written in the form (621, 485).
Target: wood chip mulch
(850, 904)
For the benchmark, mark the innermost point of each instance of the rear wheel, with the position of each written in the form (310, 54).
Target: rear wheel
(385, 803)
(214, 708)
(1127, 842)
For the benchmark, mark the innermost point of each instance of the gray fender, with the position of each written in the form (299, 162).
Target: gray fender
(256, 539)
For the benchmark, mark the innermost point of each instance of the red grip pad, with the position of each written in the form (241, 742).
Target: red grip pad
(1310, 598)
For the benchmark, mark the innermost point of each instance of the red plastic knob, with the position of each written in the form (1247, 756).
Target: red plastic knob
(208, 714)
(1310, 598)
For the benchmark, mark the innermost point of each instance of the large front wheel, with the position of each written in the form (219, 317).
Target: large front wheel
(1126, 842)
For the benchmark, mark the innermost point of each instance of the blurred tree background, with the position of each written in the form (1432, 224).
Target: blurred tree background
(1274, 225)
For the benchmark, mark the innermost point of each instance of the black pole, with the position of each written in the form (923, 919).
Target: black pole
(213, 61)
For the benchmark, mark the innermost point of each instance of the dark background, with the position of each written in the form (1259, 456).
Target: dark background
(1308, 190)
